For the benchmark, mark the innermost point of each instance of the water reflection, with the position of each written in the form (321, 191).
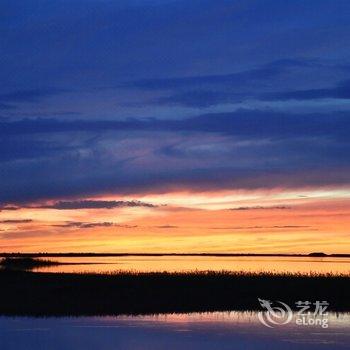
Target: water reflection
(231, 330)
(189, 263)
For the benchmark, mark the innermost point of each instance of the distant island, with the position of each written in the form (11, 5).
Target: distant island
(318, 255)
(25, 263)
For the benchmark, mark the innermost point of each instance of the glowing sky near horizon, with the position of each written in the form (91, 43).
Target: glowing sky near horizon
(256, 221)
(175, 126)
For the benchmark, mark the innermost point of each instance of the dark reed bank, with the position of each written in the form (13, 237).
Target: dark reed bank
(27, 293)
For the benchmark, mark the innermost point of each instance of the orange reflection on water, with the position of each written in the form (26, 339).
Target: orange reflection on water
(200, 263)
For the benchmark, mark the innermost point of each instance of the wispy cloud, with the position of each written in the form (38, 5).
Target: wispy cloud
(9, 208)
(260, 227)
(88, 225)
(341, 91)
(94, 204)
(5, 106)
(79, 224)
(16, 221)
(262, 73)
(30, 95)
(258, 207)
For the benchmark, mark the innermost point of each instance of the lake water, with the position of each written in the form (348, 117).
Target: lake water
(200, 263)
(218, 330)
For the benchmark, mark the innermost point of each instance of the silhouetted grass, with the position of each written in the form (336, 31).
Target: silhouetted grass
(27, 293)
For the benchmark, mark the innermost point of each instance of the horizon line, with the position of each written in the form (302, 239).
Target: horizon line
(57, 254)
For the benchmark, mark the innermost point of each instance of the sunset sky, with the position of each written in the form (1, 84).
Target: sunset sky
(175, 126)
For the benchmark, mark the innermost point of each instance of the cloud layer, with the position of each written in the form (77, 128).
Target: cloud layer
(48, 159)
(134, 97)
(94, 204)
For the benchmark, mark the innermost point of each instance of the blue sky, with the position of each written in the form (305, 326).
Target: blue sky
(124, 97)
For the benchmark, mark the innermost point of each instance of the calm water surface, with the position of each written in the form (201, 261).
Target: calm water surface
(232, 330)
(168, 263)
